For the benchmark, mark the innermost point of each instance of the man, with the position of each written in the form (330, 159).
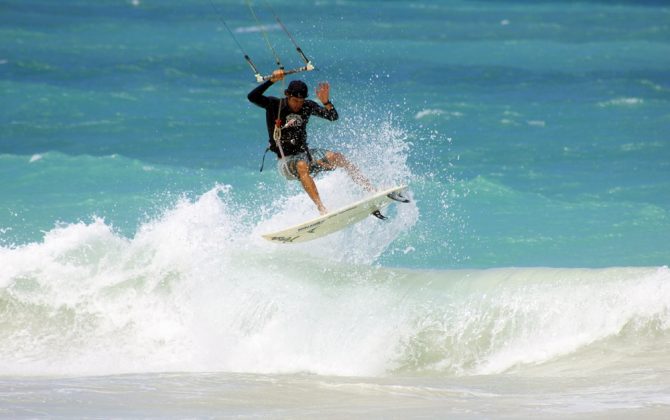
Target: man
(286, 120)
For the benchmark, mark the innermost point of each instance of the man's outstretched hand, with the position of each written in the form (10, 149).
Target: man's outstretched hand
(323, 92)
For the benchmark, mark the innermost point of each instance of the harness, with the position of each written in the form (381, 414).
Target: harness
(276, 136)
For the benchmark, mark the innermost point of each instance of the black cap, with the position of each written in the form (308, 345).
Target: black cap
(297, 88)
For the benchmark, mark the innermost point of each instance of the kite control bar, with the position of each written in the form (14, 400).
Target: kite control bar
(308, 67)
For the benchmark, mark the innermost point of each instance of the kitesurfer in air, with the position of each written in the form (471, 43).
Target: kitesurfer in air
(286, 120)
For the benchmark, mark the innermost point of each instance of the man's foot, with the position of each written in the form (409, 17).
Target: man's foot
(397, 196)
(322, 210)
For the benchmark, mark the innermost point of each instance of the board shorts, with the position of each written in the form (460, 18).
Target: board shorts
(288, 167)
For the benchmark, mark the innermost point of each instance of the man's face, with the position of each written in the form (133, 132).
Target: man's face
(295, 103)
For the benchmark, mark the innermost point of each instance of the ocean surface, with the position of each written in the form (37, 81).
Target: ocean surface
(528, 278)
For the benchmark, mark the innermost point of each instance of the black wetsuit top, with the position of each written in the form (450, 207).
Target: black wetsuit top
(293, 137)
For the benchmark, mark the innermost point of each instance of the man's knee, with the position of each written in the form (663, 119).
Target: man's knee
(335, 158)
(302, 167)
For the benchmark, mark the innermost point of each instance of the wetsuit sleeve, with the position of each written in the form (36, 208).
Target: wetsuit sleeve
(256, 96)
(323, 112)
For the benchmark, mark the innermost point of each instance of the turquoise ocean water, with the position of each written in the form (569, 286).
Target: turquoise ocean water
(527, 278)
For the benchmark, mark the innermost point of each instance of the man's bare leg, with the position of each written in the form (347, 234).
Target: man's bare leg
(308, 184)
(337, 160)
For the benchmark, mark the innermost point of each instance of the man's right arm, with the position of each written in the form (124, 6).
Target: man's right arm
(256, 96)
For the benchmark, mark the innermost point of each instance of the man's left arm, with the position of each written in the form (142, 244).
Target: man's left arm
(328, 111)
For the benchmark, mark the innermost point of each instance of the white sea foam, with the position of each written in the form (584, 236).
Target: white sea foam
(257, 28)
(621, 102)
(428, 112)
(437, 112)
(194, 290)
(507, 121)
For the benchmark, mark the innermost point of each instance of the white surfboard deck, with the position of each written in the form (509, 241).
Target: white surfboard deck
(334, 221)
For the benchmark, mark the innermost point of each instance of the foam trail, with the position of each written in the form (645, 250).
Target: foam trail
(380, 151)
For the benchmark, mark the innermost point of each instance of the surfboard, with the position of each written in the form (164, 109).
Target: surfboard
(334, 221)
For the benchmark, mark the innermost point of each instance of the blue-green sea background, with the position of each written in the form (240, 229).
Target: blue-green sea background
(537, 133)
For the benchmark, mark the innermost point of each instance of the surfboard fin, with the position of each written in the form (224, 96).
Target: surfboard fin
(397, 196)
(379, 215)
